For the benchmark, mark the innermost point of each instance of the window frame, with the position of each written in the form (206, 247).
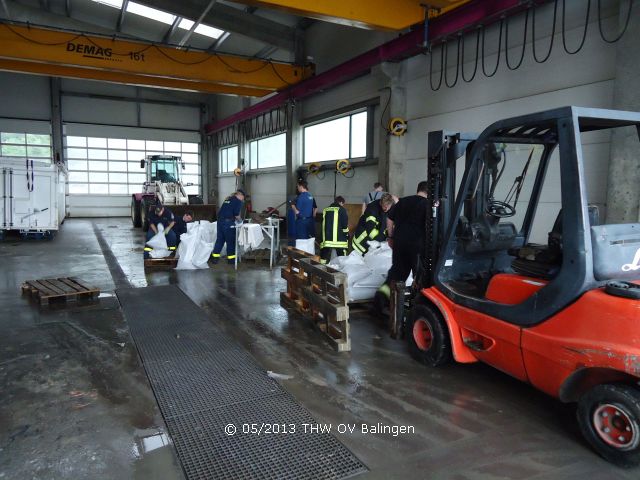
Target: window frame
(26, 144)
(257, 142)
(225, 150)
(369, 109)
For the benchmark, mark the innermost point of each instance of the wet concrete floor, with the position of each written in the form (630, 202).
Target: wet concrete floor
(75, 403)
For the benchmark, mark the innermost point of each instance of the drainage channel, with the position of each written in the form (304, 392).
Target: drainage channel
(208, 388)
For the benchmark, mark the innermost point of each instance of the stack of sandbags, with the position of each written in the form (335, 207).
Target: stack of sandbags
(196, 245)
(365, 274)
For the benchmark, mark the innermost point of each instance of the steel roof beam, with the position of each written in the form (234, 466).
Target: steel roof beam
(231, 19)
(123, 11)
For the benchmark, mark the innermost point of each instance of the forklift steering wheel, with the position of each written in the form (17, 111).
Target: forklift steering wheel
(499, 209)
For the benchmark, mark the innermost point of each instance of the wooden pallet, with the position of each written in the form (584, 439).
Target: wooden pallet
(155, 264)
(319, 293)
(296, 279)
(59, 289)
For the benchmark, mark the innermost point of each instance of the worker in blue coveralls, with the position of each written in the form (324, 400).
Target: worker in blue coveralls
(160, 215)
(291, 220)
(304, 211)
(228, 214)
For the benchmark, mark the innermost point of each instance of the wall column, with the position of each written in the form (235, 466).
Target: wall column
(56, 120)
(623, 194)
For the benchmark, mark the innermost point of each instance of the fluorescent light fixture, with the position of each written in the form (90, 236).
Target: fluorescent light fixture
(202, 29)
(111, 3)
(151, 13)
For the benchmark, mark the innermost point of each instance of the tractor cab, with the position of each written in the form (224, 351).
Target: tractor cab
(163, 179)
(165, 169)
(526, 270)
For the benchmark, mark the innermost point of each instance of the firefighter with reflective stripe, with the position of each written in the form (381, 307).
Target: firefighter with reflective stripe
(160, 215)
(335, 230)
(228, 215)
(372, 224)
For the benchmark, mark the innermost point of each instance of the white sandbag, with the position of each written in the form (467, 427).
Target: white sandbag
(308, 245)
(195, 246)
(355, 294)
(159, 244)
(355, 273)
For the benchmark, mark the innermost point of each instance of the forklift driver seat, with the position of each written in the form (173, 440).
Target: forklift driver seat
(542, 261)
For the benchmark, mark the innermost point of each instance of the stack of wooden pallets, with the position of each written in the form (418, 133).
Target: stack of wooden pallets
(319, 293)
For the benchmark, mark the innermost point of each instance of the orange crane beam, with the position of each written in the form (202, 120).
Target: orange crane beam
(375, 14)
(79, 55)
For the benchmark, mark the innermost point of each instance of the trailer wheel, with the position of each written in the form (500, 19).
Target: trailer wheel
(428, 336)
(135, 212)
(609, 418)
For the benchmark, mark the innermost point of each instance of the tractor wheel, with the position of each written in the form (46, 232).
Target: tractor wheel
(135, 212)
(144, 214)
(195, 200)
(428, 336)
(609, 418)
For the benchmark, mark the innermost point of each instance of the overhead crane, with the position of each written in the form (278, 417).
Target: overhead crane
(31, 49)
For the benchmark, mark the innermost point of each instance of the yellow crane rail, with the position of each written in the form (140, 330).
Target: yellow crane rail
(78, 55)
(380, 14)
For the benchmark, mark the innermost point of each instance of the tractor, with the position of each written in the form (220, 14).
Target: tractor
(163, 185)
(520, 271)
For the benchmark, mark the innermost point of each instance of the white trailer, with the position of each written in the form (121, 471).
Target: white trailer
(33, 197)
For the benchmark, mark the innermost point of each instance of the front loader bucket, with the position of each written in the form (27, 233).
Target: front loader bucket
(200, 212)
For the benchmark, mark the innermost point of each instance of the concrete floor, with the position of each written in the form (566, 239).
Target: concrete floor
(75, 402)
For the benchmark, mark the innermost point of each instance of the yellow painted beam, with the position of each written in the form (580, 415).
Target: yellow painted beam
(127, 79)
(380, 14)
(90, 52)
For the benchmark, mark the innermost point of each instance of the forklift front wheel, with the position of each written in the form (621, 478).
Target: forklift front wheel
(609, 418)
(428, 336)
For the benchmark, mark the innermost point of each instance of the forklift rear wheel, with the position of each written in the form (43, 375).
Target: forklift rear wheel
(609, 418)
(428, 336)
(135, 212)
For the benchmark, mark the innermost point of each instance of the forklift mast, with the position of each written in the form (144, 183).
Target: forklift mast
(443, 150)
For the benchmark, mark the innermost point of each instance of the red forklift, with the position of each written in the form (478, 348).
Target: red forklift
(519, 271)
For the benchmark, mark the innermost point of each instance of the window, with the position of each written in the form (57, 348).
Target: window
(228, 159)
(26, 145)
(344, 137)
(111, 166)
(163, 17)
(268, 152)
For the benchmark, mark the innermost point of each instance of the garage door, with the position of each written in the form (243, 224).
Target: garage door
(104, 166)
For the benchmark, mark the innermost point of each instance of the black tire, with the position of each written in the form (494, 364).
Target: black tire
(135, 212)
(195, 200)
(144, 214)
(428, 336)
(616, 440)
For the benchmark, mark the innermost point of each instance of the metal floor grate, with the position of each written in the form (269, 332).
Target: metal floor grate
(203, 381)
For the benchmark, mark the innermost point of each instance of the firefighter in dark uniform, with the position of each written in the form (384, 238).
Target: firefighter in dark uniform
(304, 210)
(181, 225)
(406, 236)
(335, 230)
(228, 214)
(160, 215)
(372, 224)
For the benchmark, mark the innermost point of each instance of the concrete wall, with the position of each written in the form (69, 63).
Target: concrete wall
(584, 79)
